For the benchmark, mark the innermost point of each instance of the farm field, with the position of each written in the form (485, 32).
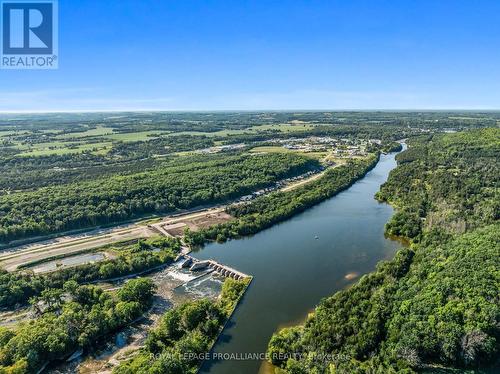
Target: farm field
(276, 149)
(283, 128)
(97, 131)
(63, 148)
(100, 139)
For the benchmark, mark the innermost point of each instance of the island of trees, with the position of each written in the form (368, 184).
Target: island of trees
(185, 334)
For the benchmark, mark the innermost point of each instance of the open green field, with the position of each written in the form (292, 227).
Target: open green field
(61, 148)
(98, 140)
(277, 149)
(48, 149)
(285, 127)
(134, 136)
(5, 134)
(98, 131)
(271, 149)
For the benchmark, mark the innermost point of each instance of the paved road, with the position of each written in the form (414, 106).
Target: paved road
(11, 259)
(16, 257)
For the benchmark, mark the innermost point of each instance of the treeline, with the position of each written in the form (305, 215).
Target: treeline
(17, 288)
(70, 319)
(435, 304)
(185, 334)
(31, 172)
(17, 176)
(270, 209)
(389, 147)
(104, 201)
(161, 146)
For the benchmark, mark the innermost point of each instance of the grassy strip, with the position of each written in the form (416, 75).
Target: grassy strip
(31, 264)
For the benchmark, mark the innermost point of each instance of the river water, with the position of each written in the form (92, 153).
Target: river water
(298, 262)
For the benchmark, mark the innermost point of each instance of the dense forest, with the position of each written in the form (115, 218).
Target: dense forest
(16, 288)
(448, 183)
(30, 172)
(69, 319)
(270, 209)
(185, 334)
(164, 189)
(436, 304)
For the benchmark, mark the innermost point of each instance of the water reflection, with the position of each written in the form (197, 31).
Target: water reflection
(300, 261)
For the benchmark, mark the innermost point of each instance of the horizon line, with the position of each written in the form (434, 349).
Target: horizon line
(244, 110)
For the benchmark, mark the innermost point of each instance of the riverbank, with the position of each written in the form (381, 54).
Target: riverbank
(345, 278)
(271, 209)
(435, 305)
(185, 334)
(297, 262)
(71, 243)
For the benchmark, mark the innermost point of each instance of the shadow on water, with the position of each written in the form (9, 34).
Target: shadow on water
(297, 263)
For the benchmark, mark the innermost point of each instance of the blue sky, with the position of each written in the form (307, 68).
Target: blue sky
(296, 54)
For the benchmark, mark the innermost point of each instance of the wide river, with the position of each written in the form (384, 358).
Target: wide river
(300, 261)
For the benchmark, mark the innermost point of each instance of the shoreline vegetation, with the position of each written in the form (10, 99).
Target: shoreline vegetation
(436, 303)
(169, 343)
(185, 334)
(198, 323)
(276, 207)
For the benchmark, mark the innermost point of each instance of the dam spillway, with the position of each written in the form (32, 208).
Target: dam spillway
(221, 269)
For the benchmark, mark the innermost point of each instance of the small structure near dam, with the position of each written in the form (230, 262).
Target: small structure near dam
(212, 265)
